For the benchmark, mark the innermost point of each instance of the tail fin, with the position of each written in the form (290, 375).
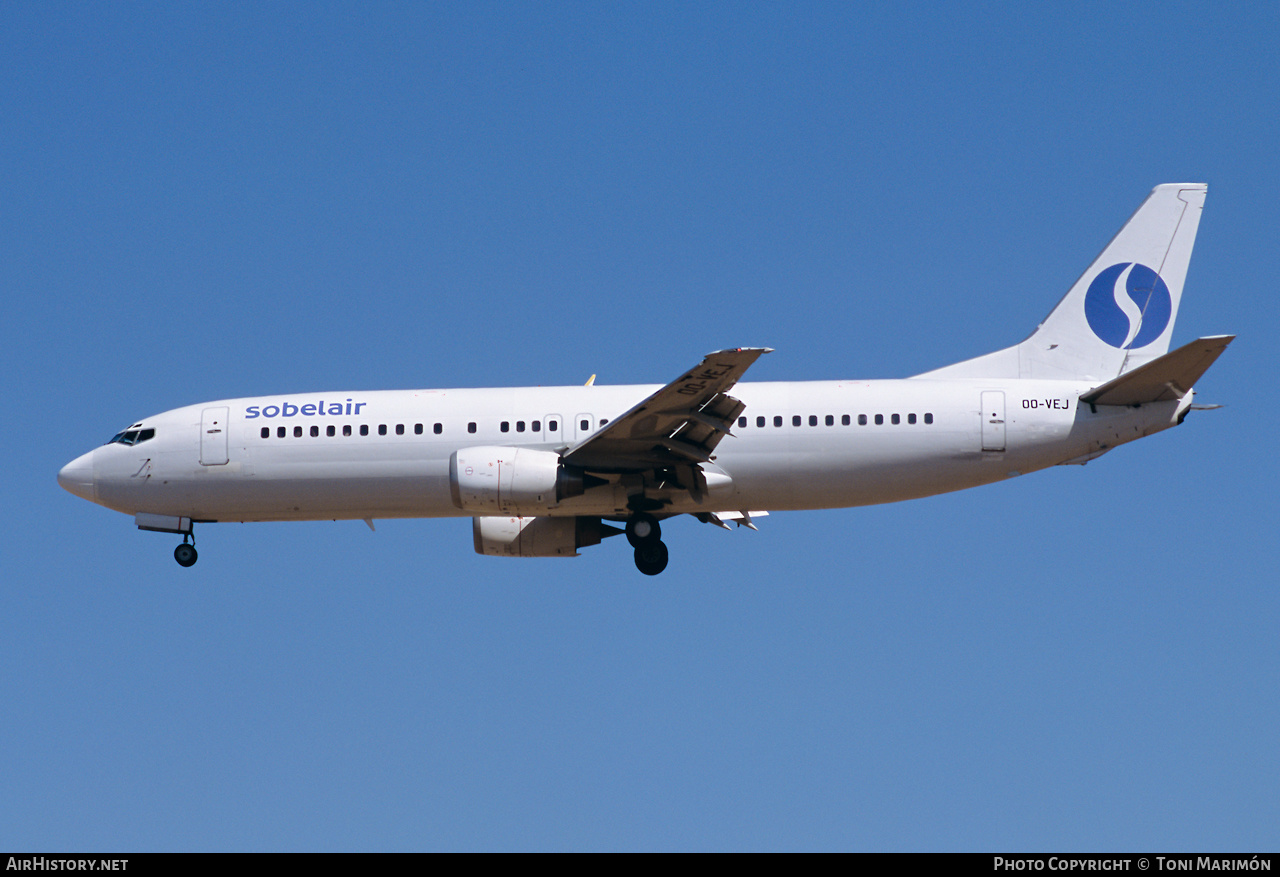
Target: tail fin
(1119, 315)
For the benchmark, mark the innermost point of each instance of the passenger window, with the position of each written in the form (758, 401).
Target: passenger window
(777, 420)
(742, 423)
(928, 418)
(382, 429)
(862, 420)
(266, 432)
(603, 421)
(281, 431)
(584, 426)
(830, 421)
(552, 425)
(346, 429)
(519, 426)
(417, 429)
(505, 426)
(536, 426)
(315, 431)
(844, 420)
(796, 420)
(438, 428)
(813, 420)
(879, 420)
(471, 427)
(331, 431)
(760, 421)
(364, 429)
(895, 419)
(911, 418)
(399, 429)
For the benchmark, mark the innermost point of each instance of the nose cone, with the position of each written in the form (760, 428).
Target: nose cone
(77, 477)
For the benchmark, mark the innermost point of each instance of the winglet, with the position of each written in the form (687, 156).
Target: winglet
(590, 381)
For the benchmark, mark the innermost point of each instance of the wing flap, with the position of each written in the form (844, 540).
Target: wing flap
(721, 519)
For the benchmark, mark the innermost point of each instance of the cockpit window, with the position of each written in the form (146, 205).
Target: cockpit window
(132, 436)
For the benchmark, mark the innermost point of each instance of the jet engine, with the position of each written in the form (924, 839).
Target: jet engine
(537, 537)
(497, 480)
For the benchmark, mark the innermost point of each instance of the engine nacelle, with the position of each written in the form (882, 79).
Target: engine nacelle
(512, 480)
(536, 537)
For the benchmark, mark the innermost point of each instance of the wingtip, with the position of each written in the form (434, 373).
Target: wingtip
(759, 351)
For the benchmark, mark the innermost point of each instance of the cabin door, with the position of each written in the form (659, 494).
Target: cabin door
(213, 437)
(993, 421)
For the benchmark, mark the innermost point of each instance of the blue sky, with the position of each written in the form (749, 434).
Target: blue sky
(201, 202)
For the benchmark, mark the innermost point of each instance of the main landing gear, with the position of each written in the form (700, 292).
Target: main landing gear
(185, 553)
(645, 537)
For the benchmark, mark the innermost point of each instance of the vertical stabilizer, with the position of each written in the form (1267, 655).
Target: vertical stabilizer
(1120, 313)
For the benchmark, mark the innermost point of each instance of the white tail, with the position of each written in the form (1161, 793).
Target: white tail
(1120, 313)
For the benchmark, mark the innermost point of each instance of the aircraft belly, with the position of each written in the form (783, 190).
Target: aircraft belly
(869, 472)
(299, 491)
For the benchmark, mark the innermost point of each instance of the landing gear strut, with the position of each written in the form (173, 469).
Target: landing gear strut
(185, 553)
(645, 536)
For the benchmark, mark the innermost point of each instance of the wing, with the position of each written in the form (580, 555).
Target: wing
(680, 425)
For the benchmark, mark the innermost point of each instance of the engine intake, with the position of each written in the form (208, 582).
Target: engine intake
(498, 480)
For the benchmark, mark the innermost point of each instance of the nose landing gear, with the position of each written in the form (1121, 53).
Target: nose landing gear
(645, 536)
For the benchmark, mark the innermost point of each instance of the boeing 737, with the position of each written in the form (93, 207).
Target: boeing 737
(545, 471)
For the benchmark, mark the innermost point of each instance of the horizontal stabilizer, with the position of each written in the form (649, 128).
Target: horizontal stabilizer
(1164, 379)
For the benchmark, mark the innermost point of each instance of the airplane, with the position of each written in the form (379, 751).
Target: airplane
(545, 471)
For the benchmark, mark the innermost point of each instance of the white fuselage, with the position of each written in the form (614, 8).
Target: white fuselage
(386, 454)
(540, 469)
